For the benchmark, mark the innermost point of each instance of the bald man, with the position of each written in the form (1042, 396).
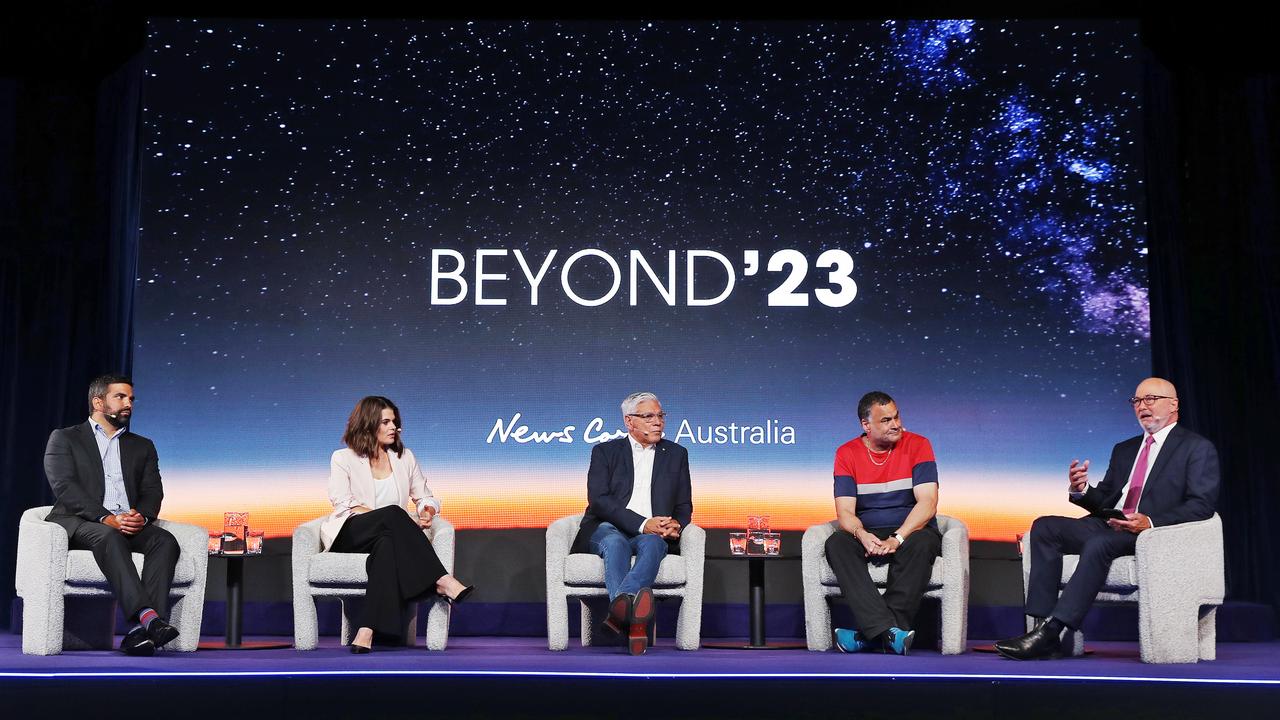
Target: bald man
(1165, 476)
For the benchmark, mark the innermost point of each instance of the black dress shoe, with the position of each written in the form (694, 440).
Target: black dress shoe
(161, 632)
(1039, 644)
(138, 644)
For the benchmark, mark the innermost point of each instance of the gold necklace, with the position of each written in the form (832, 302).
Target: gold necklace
(872, 458)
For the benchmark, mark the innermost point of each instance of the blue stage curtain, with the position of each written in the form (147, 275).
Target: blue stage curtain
(1212, 107)
(70, 111)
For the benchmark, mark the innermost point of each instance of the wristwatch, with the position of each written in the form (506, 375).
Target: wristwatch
(898, 537)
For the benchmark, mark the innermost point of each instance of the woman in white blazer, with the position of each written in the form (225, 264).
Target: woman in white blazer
(371, 482)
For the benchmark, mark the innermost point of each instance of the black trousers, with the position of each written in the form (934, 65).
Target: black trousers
(1096, 544)
(909, 569)
(402, 565)
(113, 549)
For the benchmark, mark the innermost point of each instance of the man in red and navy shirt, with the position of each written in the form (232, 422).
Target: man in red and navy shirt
(886, 488)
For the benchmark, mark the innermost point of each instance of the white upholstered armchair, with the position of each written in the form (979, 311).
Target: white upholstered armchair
(949, 583)
(581, 576)
(1177, 578)
(330, 575)
(67, 603)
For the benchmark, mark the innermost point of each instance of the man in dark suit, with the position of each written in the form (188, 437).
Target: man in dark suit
(639, 497)
(1167, 475)
(107, 484)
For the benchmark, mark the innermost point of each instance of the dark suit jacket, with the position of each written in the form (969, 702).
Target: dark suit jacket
(1181, 487)
(611, 478)
(74, 469)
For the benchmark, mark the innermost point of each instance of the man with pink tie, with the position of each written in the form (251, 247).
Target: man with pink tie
(1165, 476)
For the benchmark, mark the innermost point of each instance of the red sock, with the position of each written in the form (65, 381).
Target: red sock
(146, 616)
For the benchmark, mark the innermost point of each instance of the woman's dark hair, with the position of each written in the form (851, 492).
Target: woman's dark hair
(362, 427)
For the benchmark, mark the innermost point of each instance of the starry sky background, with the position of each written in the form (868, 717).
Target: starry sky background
(985, 177)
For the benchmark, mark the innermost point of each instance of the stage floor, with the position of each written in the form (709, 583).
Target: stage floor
(1108, 661)
(482, 672)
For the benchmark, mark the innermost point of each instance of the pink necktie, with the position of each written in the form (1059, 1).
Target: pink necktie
(1135, 482)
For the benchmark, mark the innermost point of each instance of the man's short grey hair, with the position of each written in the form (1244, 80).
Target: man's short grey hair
(634, 399)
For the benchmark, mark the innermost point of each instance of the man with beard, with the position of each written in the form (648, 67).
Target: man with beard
(1165, 476)
(886, 490)
(107, 484)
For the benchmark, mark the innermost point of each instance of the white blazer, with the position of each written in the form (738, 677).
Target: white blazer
(351, 485)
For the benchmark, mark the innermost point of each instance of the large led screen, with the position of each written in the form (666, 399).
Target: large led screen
(508, 227)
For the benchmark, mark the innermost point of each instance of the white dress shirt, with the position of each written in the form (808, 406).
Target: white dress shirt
(1160, 435)
(115, 499)
(641, 501)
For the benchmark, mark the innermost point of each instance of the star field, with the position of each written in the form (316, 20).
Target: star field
(984, 175)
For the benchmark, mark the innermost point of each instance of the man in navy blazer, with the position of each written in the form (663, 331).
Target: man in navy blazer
(106, 481)
(639, 497)
(1166, 476)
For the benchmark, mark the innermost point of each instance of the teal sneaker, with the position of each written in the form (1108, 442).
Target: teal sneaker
(898, 641)
(850, 641)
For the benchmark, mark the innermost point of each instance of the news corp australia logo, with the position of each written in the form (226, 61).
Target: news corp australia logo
(765, 432)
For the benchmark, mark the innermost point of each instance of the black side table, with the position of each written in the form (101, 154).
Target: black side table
(235, 609)
(755, 603)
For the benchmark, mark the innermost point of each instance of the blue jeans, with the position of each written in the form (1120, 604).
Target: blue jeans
(616, 548)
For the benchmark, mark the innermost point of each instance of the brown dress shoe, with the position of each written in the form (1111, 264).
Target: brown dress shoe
(642, 608)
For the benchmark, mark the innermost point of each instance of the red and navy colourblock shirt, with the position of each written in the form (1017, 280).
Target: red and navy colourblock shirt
(885, 493)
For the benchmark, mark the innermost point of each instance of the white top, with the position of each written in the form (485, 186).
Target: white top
(641, 501)
(384, 492)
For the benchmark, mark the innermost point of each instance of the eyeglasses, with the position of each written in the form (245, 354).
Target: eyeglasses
(648, 417)
(1148, 400)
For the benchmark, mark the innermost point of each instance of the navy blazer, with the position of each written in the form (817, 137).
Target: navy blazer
(1181, 487)
(74, 469)
(611, 478)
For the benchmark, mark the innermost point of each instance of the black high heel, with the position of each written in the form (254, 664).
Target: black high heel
(360, 649)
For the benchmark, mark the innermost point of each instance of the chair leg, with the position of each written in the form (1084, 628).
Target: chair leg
(350, 608)
(1208, 633)
(588, 623)
(817, 620)
(1171, 636)
(42, 619)
(557, 621)
(42, 614)
(438, 625)
(306, 633)
(1073, 641)
(187, 614)
(689, 625)
(952, 623)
